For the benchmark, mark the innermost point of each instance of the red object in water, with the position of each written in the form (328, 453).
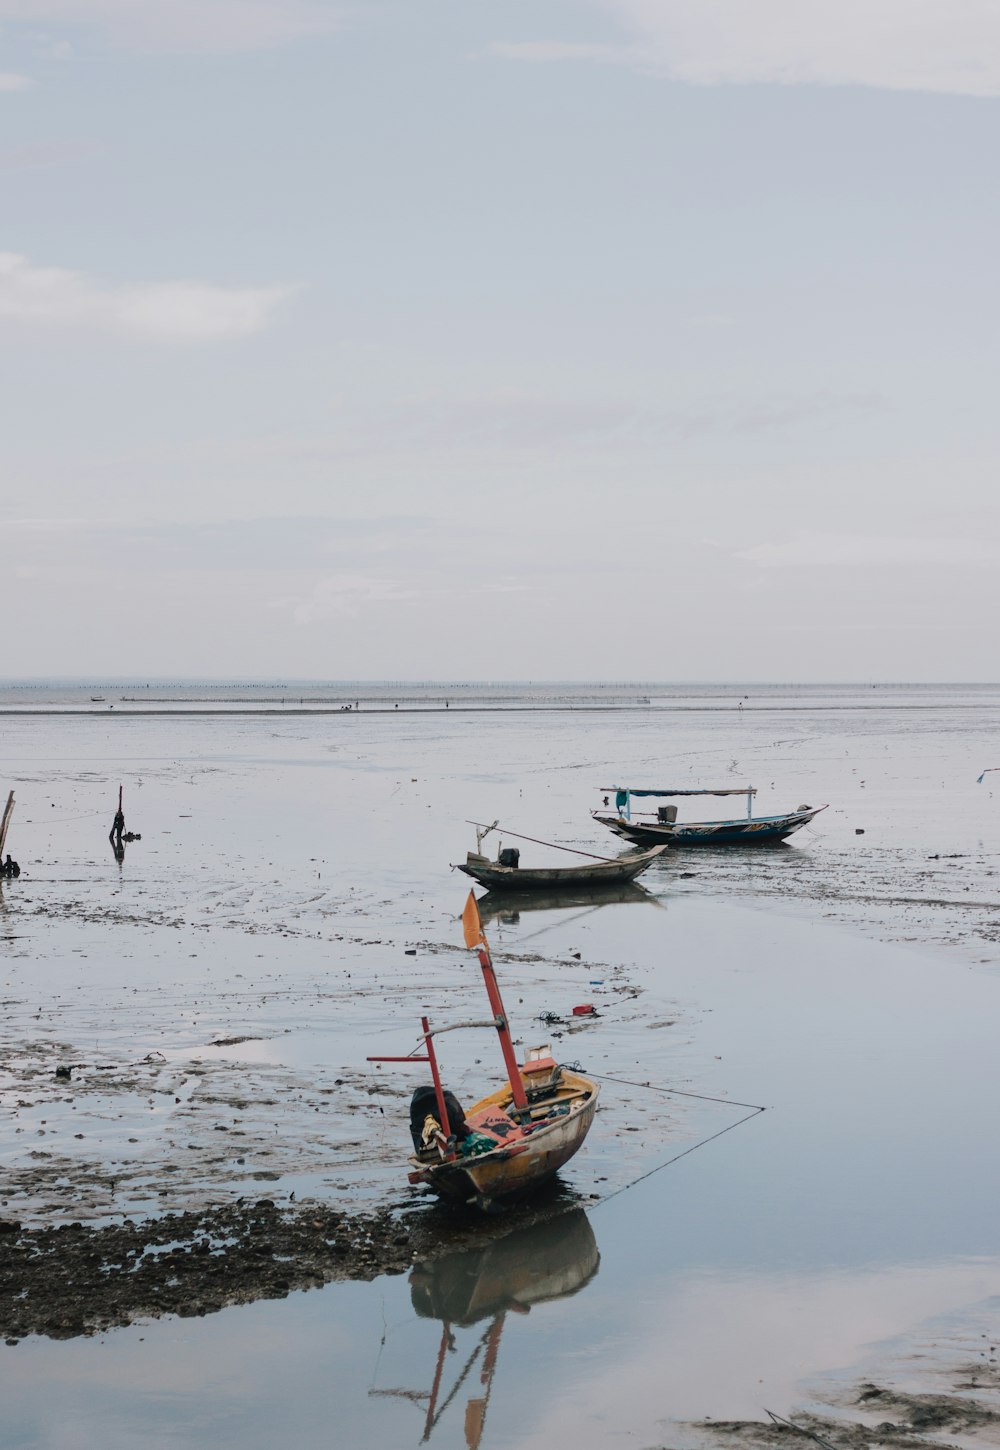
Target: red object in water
(584, 1010)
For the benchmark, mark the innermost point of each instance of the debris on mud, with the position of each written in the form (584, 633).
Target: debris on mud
(880, 1417)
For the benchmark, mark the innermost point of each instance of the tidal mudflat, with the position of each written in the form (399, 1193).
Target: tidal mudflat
(289, 911)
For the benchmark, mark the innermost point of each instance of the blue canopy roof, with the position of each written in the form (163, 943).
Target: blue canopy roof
(739, 790)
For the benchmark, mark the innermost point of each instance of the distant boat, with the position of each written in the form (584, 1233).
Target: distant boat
(512, 1140)
(501, 876)
(646, 828)
(97, 699)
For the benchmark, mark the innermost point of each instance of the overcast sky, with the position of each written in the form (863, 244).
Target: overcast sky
(551, 339)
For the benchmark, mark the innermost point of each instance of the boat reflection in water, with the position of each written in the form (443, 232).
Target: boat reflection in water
(546, 1261)
(506, 906)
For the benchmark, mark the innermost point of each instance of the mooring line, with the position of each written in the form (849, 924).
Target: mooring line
(678, 1156)
(677, 1092)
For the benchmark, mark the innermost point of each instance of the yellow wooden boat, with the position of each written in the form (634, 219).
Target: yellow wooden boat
(502, 1153)
(514, 1139)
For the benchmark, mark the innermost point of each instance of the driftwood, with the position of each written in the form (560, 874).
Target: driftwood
(8, 812)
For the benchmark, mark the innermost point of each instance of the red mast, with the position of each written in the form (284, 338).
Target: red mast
(476, 937)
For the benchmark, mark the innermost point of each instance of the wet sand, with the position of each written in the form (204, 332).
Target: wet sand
(215, 997)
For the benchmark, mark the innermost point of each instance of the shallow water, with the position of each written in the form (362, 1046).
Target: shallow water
(848, 983)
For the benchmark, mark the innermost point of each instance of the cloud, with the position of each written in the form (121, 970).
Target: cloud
(816, 550)
(185, 25)
(344, 596)
(539, 51)
(289, 551)
(161, 311)
(947, 46)
(10, 81)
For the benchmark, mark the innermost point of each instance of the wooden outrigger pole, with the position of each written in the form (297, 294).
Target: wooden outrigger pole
(429, 1056)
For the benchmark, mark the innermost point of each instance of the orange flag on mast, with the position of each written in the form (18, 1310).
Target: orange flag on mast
(472, 924)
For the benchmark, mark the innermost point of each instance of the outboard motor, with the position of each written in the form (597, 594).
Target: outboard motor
(510, 856)
(424, 1101)
(666, 815)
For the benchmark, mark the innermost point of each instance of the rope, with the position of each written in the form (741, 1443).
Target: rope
(677, 1092)
(755, 1110)
(678, 1156)
(59, 820)
(571, 849)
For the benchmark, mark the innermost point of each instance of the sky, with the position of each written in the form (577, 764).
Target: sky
(551, 339)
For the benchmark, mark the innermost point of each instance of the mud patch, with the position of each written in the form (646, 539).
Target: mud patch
(74, 1279)
(880, 1415)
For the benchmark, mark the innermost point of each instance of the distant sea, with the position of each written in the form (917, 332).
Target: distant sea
(252, 696)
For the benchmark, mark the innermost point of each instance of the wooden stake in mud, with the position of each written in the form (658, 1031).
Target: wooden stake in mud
(8, 812)
(475, 937)
(117, 826)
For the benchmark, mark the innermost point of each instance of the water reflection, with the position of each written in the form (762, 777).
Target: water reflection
(546, 1261)
(506, 906)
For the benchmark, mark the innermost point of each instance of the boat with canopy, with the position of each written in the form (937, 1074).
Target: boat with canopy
(648, 828)
(513, 1139)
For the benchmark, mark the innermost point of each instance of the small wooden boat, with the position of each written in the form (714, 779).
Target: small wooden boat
(506, 873)
(498, 877)
(515, 1138)
(507, 1152)
(646, 829)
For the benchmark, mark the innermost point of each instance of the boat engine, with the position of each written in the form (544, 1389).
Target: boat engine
(423, 1104)
(509, 856)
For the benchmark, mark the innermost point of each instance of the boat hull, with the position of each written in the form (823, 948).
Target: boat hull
(595, 873)
(517, 1168)
(759, 831)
